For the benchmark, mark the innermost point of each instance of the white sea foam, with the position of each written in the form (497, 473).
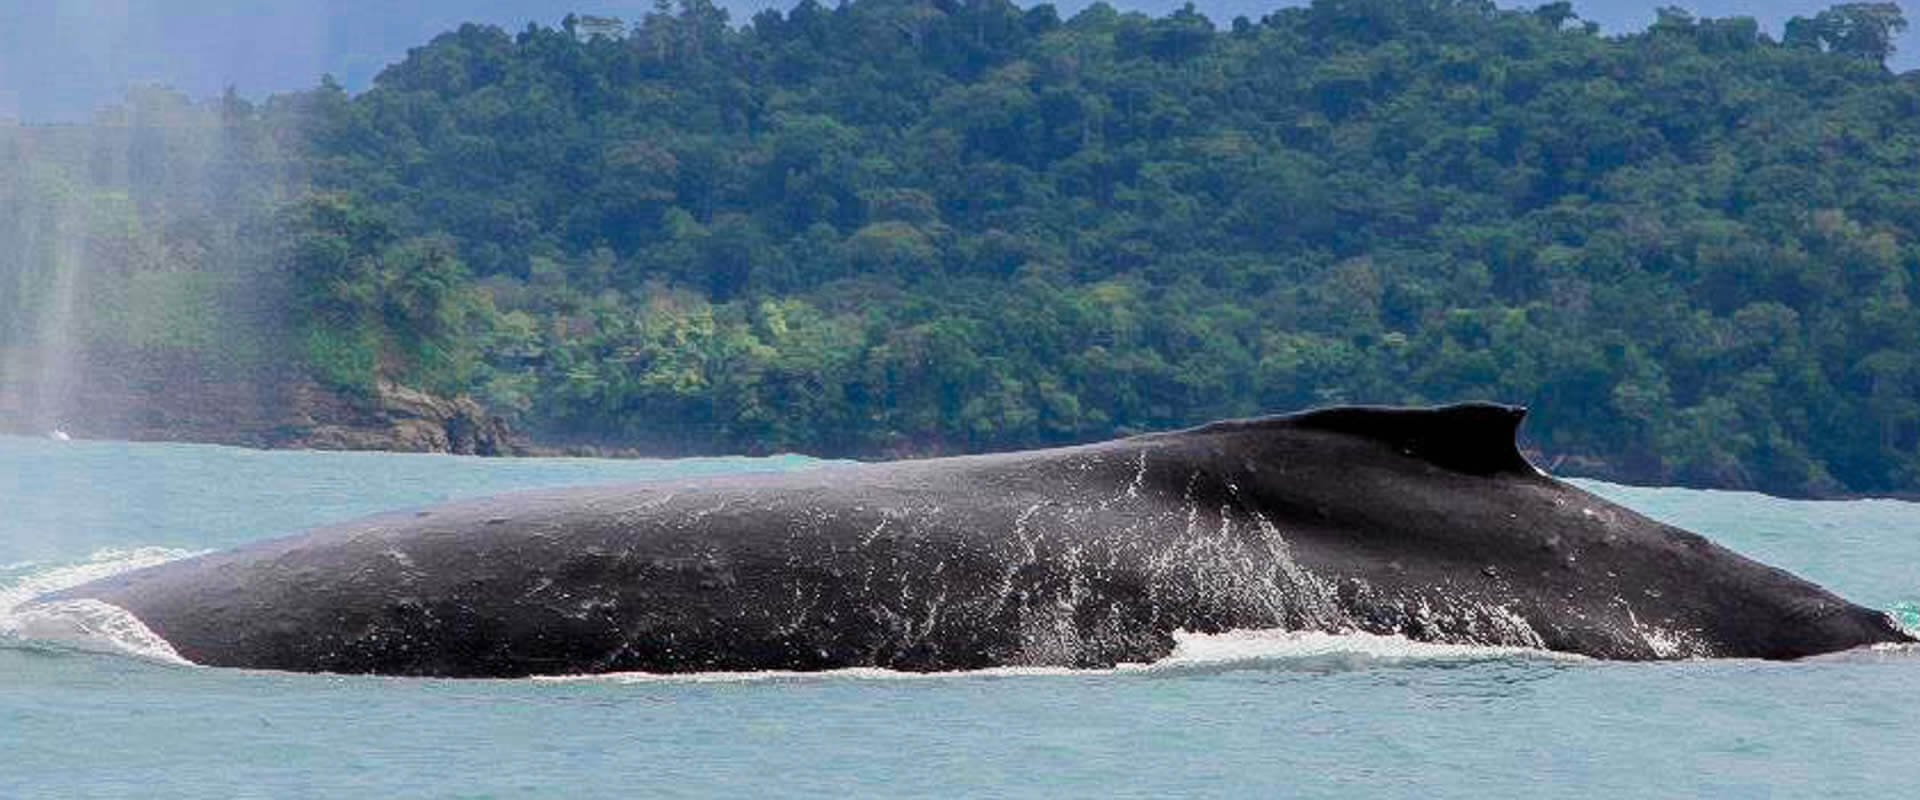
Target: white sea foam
(1278, 649)
(1233, 647)
(1906, 617)
(82, 624)
(1881, 653)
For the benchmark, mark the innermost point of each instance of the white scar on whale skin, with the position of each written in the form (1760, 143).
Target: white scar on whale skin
(1293, 587)
(885, 518)
(1664, 642)
(1026, 553)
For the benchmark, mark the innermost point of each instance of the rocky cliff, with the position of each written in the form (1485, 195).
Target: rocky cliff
(271, 408)
(397, 418)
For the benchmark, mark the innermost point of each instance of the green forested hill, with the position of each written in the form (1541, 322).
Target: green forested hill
(900, 226)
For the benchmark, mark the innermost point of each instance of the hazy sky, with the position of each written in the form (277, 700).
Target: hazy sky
(59, 59)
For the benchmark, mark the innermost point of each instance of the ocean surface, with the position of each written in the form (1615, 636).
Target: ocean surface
(1250, 714)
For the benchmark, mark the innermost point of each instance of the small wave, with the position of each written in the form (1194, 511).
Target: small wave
(1357, 649)
(778, 675)
(1906, 615)
(1883, 653)
(86, 624)
(1310, 650)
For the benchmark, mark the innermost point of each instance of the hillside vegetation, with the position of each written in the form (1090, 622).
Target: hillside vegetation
(906, 227)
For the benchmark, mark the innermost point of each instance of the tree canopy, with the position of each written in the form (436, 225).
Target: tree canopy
(914, 226)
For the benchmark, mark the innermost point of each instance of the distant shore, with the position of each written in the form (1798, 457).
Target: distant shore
(403, 420)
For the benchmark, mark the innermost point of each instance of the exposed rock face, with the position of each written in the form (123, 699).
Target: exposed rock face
(145, 399)
(397, 418)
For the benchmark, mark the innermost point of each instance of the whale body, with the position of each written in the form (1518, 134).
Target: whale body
(1425, 523)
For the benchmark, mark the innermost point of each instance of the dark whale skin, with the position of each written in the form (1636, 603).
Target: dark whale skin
(1423, 522)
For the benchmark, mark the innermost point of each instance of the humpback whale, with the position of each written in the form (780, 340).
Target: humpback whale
(1426, 523)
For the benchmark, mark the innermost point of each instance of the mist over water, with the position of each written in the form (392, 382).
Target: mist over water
(133, 260)
(42, 261)
(54, 378)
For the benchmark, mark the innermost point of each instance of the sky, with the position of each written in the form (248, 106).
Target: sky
(61, 59)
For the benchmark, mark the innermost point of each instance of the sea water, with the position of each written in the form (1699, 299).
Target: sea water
(1246, 714)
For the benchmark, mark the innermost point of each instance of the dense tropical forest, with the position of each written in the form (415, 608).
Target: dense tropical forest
(898, 227)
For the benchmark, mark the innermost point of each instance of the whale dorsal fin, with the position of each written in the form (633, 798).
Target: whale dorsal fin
(1474, 438)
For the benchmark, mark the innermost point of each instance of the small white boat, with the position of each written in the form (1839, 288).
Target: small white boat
(59, 435)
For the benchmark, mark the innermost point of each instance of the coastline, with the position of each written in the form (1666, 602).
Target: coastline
(401, 419)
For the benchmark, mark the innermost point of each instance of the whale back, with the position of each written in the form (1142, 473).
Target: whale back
(1423, 522)
(1424, 507)
(1470, 438)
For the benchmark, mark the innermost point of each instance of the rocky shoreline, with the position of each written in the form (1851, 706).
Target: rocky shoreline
(271, 414)
(399, 419)
(279, 412)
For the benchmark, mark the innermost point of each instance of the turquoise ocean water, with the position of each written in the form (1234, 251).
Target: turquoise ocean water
(1256, 714)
